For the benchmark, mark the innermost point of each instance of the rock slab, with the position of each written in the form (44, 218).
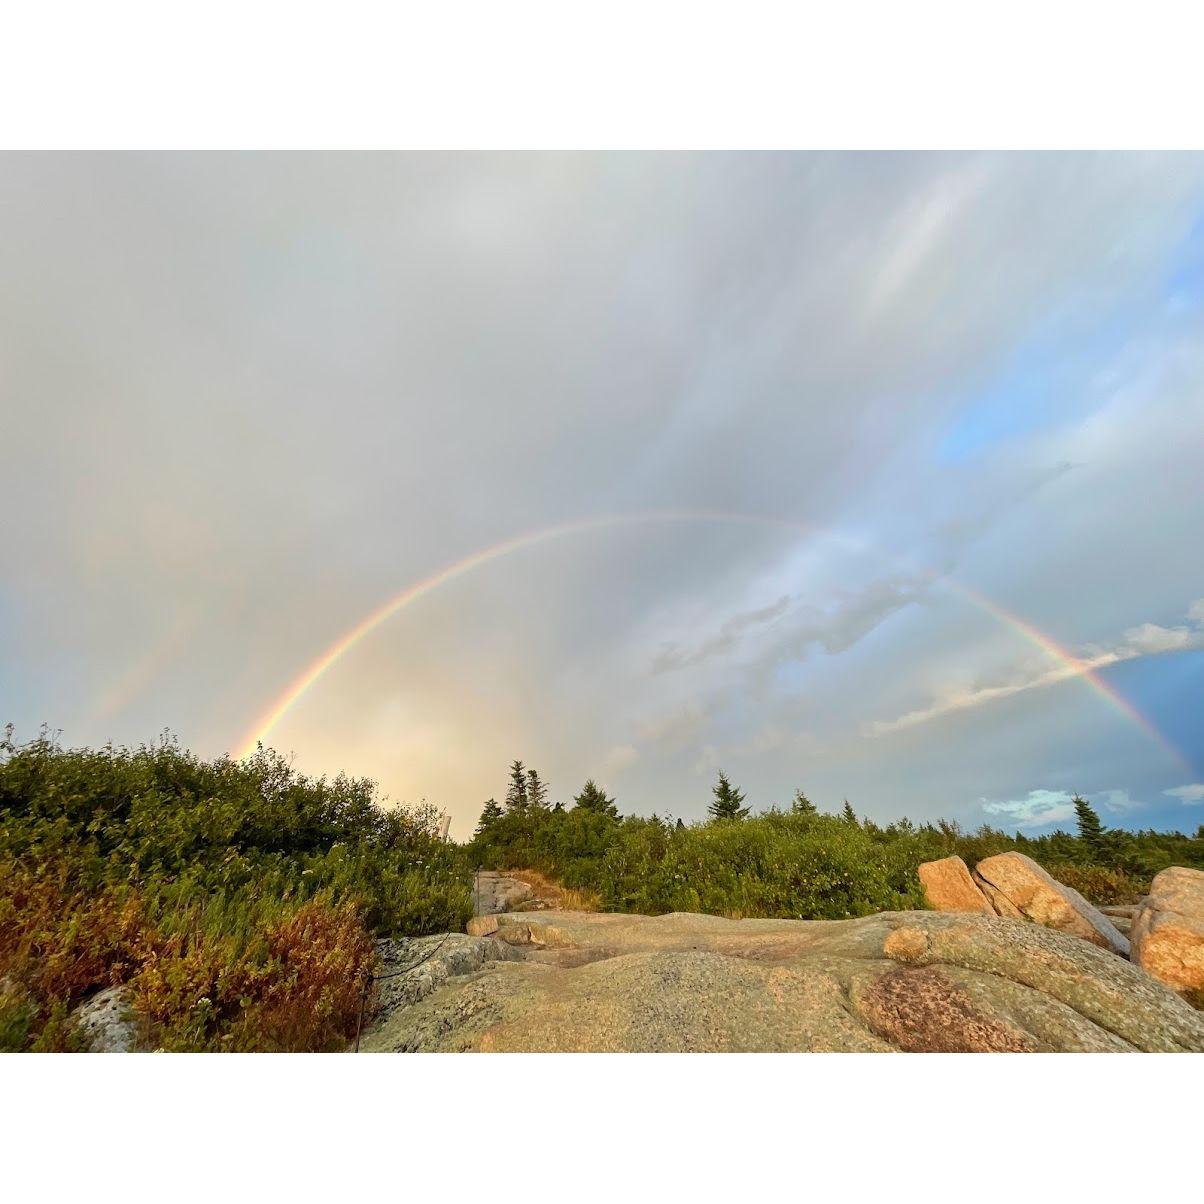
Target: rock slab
(410, 970)
(948, 887)
(1039, 897)
(1168, 929)
(494, 892)
(898, 981)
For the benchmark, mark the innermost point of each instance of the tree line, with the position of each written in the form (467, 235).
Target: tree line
(527, 792)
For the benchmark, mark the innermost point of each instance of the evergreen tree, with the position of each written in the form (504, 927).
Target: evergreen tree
(593, 798)
(848, 814)
(727, 801)
(490, 814)
(1091, 831)
(537, 791)
(802, 805)
(516, 794)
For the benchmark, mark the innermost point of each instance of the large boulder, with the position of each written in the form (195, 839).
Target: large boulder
(948, 887)
(911, 981)
(1002, 905)
(1168, 930)
(1042, 898)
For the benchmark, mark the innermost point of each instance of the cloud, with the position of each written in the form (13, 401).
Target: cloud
(677, 729)
(967, 699)
(1188, 795)
(1116, 801)
(618, 758)
(275, 390)
(853, 615)
(1040, 808)
(1148, 639)
(673, 657)
(1037, 809)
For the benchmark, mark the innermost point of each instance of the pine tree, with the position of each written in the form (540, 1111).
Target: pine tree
(802, 805)
(593, 798)
(537, 791)
(490, 814)
(848, 814)
(1091, 831)
(516, 794)
(727, 801)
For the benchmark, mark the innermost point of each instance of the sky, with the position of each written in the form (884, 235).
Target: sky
(875, 475)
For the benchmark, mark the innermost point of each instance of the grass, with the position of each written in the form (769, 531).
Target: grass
(557, 896)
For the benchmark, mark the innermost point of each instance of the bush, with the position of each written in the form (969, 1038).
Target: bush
(295, 986)
(238, 901)
(800, 864)
(795, 865)
(1098, 883)
(775, 865)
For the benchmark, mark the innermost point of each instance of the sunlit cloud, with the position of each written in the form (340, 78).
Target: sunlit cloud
(1146, 639)
(1037, 809)
(1191, 793)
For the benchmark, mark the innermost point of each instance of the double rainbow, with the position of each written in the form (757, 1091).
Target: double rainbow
(300, 685)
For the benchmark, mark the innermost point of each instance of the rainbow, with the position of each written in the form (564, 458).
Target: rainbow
(383, 613)
(1071, 666)
(1088, 670)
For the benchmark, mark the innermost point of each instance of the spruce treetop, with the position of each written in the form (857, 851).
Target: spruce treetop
(594, 798)
(1091, 831)
(801, 804)
(490, 814)
(537, 790)
(516, 792)
(726, 804)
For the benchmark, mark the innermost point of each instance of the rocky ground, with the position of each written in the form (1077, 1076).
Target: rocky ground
(1010, 960)
(494, 892)
(912, 981)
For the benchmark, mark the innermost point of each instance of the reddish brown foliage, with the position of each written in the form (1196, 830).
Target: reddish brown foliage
(321, 956)
(293, 985)
(60, 943)
(297, 988)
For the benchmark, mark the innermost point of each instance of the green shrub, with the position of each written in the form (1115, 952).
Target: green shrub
(237, 900)
(801, 864)
(1098, 883)
(774, 865)
(17, 1015)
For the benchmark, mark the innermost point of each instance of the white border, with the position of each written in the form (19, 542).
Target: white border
(982, 1128)
(525, 74)
(555, 73)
